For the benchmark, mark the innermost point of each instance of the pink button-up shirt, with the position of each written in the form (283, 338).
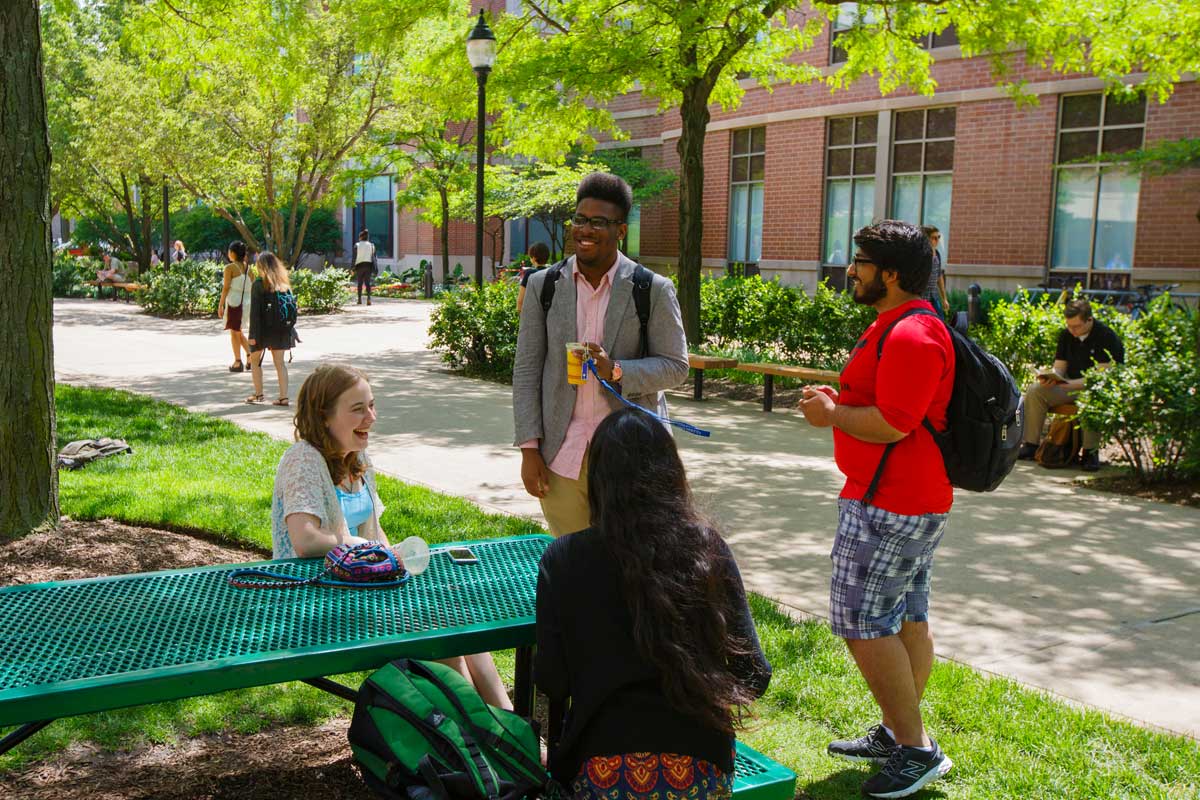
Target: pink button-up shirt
(591, 305)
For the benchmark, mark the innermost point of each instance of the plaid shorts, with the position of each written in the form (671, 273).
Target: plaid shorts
(881, 569)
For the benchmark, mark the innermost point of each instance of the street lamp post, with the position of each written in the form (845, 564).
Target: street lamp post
(481, 52)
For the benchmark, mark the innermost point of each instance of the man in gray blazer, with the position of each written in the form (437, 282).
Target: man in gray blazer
(592, 304)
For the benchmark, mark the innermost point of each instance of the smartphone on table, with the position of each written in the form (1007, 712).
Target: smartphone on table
(462, 555)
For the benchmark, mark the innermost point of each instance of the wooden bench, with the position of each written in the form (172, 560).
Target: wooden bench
(769, 371)
(701, 363)
(126, 286)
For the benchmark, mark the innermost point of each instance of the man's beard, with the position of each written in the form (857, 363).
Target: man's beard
(868, 294)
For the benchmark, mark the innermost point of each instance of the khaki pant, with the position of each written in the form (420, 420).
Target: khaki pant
(565, 506)
(1039, 399)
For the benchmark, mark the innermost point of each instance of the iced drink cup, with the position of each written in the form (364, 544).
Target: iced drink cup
(576, 363)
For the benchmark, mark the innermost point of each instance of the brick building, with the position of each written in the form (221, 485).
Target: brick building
(790, 174)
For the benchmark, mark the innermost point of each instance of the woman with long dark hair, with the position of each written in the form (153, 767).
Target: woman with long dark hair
(642, 622)
(235, 300)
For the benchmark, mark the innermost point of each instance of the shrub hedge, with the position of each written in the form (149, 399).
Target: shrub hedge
(476, 329)
(320, 292)
(184, 289)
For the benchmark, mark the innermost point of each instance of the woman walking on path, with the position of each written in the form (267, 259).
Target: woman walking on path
(642, 622)
(325, 491)
(266, 329)
(235, 297)
(364, 264)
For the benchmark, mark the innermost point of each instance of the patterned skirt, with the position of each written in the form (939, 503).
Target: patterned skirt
(650, 776)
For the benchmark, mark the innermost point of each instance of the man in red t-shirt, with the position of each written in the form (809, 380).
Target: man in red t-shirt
(890, 523)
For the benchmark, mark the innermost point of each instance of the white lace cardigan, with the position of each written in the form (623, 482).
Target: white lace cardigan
(303, 486)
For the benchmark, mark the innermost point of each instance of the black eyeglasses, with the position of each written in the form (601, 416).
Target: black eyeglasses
(595, 223)
(858, 261)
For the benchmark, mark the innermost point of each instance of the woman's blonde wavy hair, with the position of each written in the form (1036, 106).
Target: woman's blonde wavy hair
(315, 405)
(273, 273)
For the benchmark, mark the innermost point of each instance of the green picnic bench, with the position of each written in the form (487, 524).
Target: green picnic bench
(79, 647)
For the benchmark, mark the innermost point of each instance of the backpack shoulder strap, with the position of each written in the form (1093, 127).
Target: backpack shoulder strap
(887, 451)
(913, 312)
(643, 279)
(548, 284)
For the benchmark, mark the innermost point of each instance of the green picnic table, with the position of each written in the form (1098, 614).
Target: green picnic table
(78, 647)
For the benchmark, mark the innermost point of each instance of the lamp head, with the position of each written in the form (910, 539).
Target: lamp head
(481, 45)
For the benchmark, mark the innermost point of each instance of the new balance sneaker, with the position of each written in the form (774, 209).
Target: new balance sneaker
(907, 770)
(875, 747)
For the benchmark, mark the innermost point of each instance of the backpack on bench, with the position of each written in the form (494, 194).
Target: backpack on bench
(85, 451)
(421, 732)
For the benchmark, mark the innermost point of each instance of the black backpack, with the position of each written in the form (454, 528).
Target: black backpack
(985, 417)
(280, 311)
(643, 279)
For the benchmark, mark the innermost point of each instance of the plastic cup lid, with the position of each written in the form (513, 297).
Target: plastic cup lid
(414, 552)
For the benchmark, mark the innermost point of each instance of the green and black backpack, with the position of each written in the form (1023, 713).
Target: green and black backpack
(421, 732)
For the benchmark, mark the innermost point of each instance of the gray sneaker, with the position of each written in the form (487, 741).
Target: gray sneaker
(875, 747)
(907, 771)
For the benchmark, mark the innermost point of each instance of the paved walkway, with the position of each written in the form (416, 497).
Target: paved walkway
(1091, 595)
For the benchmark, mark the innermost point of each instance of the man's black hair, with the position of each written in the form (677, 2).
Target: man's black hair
(899, 246)
(607, 187)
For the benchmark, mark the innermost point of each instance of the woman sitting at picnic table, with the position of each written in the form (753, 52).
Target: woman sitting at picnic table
(642, 622)
(325, 492)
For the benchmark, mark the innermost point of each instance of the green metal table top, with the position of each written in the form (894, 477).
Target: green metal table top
(77, 647)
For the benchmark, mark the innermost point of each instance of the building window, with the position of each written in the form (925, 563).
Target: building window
(923, 168)
(632, 246)
(747, 167)
(1095, 204)
(849, 189)
(847, 18)
(373, 211)
(947, 37)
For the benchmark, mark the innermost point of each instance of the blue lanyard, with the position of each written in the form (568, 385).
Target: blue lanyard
(590, 364)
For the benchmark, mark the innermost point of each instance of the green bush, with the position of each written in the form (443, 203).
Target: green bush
(70, 273)
(320, 292)
(1149, 405)
(1022, 333)
(186, 289)
(779, 323)
(476, 329)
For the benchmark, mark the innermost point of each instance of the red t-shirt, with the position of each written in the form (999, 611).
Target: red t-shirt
(912, 381)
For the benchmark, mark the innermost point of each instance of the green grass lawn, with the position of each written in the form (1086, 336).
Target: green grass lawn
(192, 472)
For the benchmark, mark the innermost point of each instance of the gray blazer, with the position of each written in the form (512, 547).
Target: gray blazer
(542, 398)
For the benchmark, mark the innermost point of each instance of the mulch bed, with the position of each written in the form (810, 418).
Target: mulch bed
(1184, 493)
(302, 762)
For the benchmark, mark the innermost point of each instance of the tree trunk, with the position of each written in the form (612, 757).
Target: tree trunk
(694, 115)
(445, 196)
(28, 480)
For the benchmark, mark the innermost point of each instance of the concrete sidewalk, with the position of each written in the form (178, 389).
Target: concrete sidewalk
(1093, 596)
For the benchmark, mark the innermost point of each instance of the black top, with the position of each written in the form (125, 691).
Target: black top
(586, 652)
(525, 274)
(1101, 346)
(275, 338)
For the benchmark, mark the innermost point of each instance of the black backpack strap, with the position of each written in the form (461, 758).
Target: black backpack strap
(887, 451)
(551, 280)
(643, 279)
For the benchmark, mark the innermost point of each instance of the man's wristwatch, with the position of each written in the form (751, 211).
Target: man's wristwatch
(616, 371)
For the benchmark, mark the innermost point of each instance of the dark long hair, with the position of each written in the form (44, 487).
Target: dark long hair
(670, 560)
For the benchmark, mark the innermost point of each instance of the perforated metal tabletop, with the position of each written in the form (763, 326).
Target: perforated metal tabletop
(82, 646)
